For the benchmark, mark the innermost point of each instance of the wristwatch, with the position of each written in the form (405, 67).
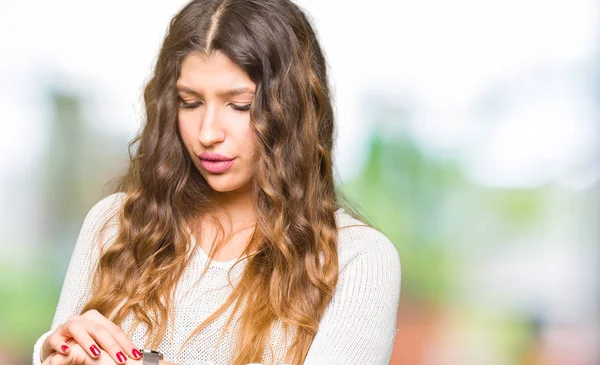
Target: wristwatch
(151, 357)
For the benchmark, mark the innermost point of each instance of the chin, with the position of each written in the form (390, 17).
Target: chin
(222, 189)
(220, 185)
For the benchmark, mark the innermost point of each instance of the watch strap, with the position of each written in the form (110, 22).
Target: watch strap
(151, 357)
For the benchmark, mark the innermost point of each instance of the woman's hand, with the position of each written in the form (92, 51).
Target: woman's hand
(77, 356)
(92, 332)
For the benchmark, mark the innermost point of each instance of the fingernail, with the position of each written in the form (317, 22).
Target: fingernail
(64, 348)
(121, 356)
(136, 353)
(94, 350)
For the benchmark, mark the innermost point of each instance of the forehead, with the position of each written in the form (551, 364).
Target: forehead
(212, 72)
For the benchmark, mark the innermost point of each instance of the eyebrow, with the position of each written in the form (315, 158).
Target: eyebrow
(227, 93)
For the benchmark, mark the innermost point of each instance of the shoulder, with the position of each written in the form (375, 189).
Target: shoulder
(106, 209)
(362, 247)
(103, 217)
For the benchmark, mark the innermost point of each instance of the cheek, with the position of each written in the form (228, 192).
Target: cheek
(185, 129)
(250, 140)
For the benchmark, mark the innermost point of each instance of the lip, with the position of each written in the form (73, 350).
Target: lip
(213, 157)
(215, 163)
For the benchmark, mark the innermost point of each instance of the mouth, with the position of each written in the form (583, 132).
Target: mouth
(216, 166)
(213, 157)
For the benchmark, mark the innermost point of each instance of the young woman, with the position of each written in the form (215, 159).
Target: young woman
(225, 242)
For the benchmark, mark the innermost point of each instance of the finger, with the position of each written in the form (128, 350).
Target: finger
(75, 328)
(78, 356)
(47, 360)
(55, 342)
(58, 340)
(117, 333)
(61, 347)
(105, 340)
(56, 359)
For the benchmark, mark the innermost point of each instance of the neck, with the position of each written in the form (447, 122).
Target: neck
(239, 206)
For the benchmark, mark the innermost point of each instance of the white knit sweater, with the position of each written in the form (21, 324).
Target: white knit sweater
(357, 328)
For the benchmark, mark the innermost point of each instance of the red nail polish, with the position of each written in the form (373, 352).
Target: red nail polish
(95, 350)
(121, 356)
(136, 353)
(64, 348)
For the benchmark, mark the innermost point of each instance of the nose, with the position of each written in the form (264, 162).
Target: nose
(211, 129)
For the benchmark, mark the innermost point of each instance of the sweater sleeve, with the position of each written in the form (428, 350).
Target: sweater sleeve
(359, 324)
(76, 288)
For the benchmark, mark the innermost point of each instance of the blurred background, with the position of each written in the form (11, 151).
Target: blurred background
(468, 132)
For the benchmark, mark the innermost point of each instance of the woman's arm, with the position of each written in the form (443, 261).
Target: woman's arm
(359, 325)
(76, 288)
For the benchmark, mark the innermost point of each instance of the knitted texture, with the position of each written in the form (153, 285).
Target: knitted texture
(357, 328)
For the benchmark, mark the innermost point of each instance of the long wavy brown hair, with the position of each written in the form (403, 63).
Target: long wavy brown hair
(292, 264)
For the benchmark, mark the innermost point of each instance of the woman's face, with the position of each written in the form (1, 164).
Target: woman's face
(214, 121)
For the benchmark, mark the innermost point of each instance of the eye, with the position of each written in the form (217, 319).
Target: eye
(184, 105)
(241, 108)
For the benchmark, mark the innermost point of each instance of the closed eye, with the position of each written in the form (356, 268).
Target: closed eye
(236, 107)
(241, 108)
(184, 105)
